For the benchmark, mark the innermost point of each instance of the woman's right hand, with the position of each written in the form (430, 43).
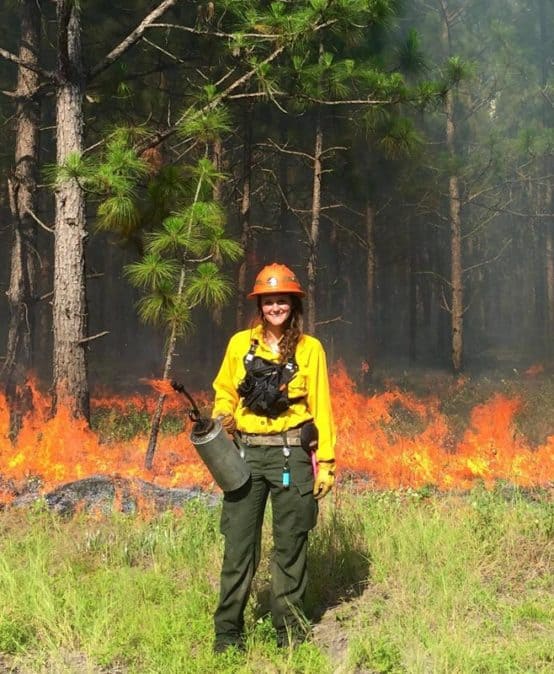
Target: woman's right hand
(228, 422)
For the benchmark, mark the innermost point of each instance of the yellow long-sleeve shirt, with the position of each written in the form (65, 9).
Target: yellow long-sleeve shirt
(310, 384)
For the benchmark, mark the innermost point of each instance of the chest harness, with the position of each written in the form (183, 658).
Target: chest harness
(264, 388)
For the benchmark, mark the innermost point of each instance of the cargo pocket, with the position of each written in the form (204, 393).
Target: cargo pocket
(307, 510)
(229, 510)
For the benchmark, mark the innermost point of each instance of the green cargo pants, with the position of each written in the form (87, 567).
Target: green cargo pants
(294, 514)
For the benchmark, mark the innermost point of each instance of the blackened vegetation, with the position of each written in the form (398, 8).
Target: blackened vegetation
(104, 494)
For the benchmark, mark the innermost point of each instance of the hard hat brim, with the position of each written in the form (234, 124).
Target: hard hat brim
(280, 291)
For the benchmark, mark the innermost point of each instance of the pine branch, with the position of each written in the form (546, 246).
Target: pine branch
(161, 136)
(216, 33)
(283, 149)
(162, 50)
(47, 74)
(488, 260)
(354, 101)
(130, 40)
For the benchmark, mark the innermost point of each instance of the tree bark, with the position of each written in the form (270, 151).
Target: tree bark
(413, 295)
(22, 200)
(371, 267)
(454, 205)
(544, 202)
(313, 233)
(70, 382)
(217, 194)
(549, 254)
(284, 182)
(246, 229)
(456, 278)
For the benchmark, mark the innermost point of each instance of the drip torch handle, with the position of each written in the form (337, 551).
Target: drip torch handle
(201, 424)
(193, 413)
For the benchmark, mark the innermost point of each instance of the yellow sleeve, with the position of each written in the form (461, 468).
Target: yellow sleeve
(319, 404)
(226, 395)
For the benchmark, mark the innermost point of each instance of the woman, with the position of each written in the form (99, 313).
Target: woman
(272, 392)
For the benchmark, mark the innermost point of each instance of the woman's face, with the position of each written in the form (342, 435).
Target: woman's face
(276, 309)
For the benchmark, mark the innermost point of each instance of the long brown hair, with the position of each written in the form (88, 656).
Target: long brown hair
(293, 331)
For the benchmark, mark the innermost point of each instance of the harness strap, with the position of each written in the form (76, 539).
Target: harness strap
(290, 366)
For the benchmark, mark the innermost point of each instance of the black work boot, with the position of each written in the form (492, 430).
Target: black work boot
(288, 637)
(223, 645)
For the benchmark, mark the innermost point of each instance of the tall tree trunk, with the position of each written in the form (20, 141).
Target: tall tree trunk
(371, 267)
(313, 233)
(22, 201)
(246, 229)
(70, 381)
(456, 274)
(284, 182)
(544, 202)
(549, 254)
(454, 204)
(217, 160)
(413, 295)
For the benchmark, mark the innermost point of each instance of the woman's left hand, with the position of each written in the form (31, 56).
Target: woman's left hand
(325, 479)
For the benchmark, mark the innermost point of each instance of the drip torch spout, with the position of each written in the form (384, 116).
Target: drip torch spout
(202, 424)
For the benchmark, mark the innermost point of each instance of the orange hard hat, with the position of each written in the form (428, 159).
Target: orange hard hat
(276, 278)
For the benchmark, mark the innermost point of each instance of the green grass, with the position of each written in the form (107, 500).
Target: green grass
(113, 426)
(408, 581)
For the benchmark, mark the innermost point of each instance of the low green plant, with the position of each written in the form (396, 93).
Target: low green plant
(400, 583)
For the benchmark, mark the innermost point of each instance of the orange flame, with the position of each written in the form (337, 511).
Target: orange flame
(162, 386)
(56, 450)
(534, 370)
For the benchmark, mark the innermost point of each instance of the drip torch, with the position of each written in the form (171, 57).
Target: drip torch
(216, 449)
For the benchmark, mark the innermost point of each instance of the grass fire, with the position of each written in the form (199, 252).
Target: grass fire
(389, 440)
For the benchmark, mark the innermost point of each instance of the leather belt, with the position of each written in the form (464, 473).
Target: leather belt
(272, 439)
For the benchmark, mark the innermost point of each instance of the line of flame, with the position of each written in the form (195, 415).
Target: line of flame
(60, 449)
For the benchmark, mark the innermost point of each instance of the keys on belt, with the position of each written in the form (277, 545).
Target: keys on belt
(290, 438)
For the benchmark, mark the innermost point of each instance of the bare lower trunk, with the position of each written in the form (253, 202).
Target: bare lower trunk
(413, 297)
(70, 381)
(168, 362)
(284, 182)
(456, 277)
(549, 253)
(246, 230)
(22, 201)
(456, 270)
(217, 158)
(313, 235)
(545, 201)
(371, 259)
